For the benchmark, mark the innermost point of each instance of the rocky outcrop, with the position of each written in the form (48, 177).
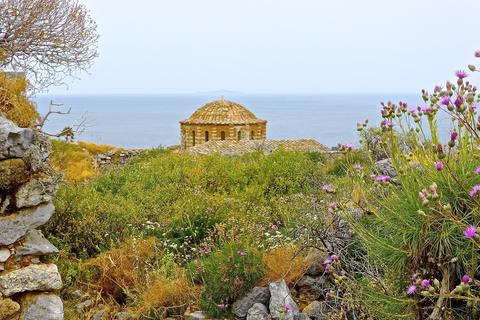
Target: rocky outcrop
(27, 186)
(257, 295)
(281, 302)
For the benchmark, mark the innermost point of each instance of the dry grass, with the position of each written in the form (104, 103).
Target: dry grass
(279, 264)
(96, 149)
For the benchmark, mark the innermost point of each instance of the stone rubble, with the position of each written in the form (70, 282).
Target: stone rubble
(27, 185)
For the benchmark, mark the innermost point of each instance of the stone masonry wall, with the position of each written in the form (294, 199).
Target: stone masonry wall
(27, 186)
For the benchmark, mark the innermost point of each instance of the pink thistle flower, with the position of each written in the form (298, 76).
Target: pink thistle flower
(470, 232)
(349, 145)
(445, 100)
(328, 268)
(334, 258)
(327, 261)
(439, 165)
(411, 289)
(372, 176)
(327, 187)
(475, 190)
(465, 279)
(477, 54)
(287, 307)
(461, 74)
(357, 167)
(328, 295)
(477, 171)
(425, 283)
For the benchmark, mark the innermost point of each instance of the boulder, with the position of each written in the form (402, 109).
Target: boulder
(15, 226)
(35, 244)
(36, 191)
(280, 298)
(123, 316)
(313, 310)
(386, 168)
(314, 261)
(45, 306)
(4, 254)
(197, 315)
(36, 156)
(257, 295)
(14, 141)
(35, 277)
(257, 312)
(318, 285)
(99, 315)
(13, 172)
(8, 308)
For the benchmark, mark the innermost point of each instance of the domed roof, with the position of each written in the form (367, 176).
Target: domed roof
(222, 112)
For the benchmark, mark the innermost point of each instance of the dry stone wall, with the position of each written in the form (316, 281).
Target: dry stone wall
(27, 185)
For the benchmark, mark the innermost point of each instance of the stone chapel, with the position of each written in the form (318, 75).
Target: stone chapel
(221, 120)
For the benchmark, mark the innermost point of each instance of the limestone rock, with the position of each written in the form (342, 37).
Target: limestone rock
(123, 316)
(386, 168)
(36, 156)
(82, 306)
(317, 285)
(8, 308)
(35, 277)
(14, 141)
(35, 244)
(302, 316)
(313, 310)
(13, 172)
(99, 315)
(257, 295)
(314, 261)
(35, 192)
(280, 296)
(4, 254)
(257, 312)
(197, 315)
(45, 306)
(15, 226)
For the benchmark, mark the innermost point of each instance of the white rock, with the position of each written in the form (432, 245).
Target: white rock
(35, 244)
(280, 297)
(15, 226)
(45, 306)
(14, 141)
(35, 277)
(4, 255)
(35, 191)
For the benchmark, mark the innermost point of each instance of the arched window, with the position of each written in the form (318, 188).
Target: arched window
(239, 135)
(206, 136)
(222, 135)
(251, 135)
(193, 136)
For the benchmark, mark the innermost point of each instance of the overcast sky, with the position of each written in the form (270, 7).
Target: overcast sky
(279, 46)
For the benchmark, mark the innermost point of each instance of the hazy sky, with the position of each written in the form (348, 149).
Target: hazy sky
(279, 46)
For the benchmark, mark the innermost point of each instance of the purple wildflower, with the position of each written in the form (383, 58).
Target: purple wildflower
(461, 74)
(357, 167)
(328, 295)
(425, 283)
(445, 100)
(383, 178)
(334, 258)
(475, 190)
(414, 279)
(439, 165)
(373, 175)
(465, 279)
(477, 171)
(470, 232)
(454, 136)
(349, 145)
(411, 289)
(477, 54)
(287, 307)
(327, 261)
(328, 268)
(328, 187)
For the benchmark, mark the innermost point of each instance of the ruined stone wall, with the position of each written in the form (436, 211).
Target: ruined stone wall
(27, 185)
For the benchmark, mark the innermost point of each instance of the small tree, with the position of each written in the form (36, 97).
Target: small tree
(47, 39)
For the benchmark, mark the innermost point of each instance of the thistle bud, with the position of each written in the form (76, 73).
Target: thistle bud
(426, 294)
(421, 212)
(459, 289)
(431, 289)
(434, 149)
(471, 67)
(436, 283)
(460, 81)
(440, 149)
(450, 107)
(451, 143)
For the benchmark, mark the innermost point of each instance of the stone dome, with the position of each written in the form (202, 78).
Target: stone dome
(222, 112)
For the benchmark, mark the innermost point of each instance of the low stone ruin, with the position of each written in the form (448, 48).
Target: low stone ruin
(115, 157)
(27, 185)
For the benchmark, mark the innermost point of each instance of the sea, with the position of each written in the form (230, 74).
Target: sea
(152, 120)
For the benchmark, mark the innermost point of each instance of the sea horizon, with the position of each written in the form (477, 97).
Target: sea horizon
(149, 120)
